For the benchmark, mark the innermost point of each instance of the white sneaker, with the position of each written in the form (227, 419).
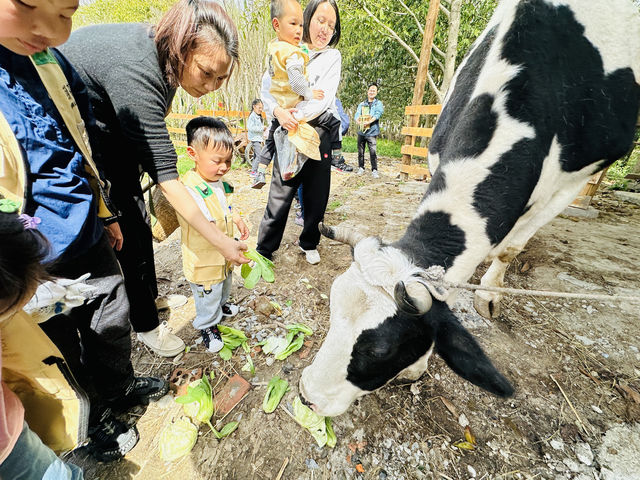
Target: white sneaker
(360, 171)
(162, 341)
(375, 174)
(313, 257)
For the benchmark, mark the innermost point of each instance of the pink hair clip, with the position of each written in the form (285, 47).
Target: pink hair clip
(29, 222)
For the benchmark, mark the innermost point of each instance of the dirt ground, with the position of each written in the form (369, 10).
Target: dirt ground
(575, 364)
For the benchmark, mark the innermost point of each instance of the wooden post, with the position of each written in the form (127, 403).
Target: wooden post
(421, 76)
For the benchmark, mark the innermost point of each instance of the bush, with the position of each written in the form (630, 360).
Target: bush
(386, 148)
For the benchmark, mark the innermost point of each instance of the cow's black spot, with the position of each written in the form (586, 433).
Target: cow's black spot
(431, 239)
(448, 131)
(562, 88)
(438, 183)
(502, 197)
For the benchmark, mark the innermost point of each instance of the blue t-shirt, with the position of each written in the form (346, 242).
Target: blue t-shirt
(58, 189)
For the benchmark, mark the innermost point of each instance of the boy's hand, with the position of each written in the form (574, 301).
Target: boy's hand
(318, 94)
(232, 251)
(242, 228)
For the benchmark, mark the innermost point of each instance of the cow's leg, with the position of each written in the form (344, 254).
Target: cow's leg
(486, 303)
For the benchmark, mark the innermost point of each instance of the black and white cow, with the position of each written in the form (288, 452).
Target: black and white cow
(547, 96)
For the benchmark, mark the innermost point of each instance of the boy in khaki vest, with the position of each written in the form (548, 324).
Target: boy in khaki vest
(210, 146)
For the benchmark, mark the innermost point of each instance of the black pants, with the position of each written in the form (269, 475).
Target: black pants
(95, 338)
(373, 154)
(136, 255)
(315, 178)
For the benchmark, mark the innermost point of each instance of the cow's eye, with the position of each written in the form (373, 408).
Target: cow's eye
(379, 351)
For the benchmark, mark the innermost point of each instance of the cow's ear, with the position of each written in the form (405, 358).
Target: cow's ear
(461, 352)
(412, 298)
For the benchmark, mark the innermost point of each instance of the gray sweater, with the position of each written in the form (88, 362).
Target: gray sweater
(130, 99)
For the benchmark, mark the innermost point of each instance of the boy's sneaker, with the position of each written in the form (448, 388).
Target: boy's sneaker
(375, 174)
(230, 310)
(162, 341)
(252, 173)
(111, 439)
(212, 339)
(360, 171)
(141, 391)
(259, 181)
(313, 256)
(299, 220)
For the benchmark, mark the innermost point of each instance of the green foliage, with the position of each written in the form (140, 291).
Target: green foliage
(385, 147)
(622, 167)
(117, 11)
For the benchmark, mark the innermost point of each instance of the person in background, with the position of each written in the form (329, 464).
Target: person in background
(255, 133)
(48, 168)
(367, 117)
(210, 146)
(132, 72)
(337, 159)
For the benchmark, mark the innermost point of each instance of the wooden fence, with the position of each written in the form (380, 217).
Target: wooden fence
(409, 150)
(233, 118)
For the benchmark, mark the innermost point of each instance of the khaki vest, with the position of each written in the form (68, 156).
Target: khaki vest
(279, 52)
(202, 263)
(33, 368)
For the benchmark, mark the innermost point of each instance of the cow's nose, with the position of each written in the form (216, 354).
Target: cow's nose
(306, 402)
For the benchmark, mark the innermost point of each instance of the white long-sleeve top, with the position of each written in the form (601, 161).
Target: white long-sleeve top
(323, 71)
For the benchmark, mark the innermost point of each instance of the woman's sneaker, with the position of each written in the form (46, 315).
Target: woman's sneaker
(110, 439)
(312, 256)
(212, 339)
(162, 341)
(259, 180)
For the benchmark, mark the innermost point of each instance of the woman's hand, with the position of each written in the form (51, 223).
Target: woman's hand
(285, 118)
(114, 235)
(233, 250)
(318, 94)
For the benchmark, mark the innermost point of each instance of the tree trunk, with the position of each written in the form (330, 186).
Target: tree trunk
(452, 45)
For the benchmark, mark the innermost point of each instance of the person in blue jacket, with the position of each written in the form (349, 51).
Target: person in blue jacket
(337, 159)
(367, 117)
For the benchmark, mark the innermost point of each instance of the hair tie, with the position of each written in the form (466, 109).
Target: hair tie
(9, 206)
(29, 223)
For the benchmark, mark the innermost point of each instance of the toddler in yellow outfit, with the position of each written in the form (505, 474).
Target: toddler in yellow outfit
(210, 146)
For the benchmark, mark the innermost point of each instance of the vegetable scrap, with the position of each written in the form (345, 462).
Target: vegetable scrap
(262, 267)
(280, 347)
(318, 426)
(232, 338)
(198, 405)
(275, 391)
(177, 439)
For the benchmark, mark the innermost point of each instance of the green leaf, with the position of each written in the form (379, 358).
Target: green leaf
(245, 270)
(331, 436)
(293, 347)
(315, 424)
(275, 391)
(288, 303)
(197, 403)
(299, 327)
(228, 429)
(225, 353)
(249, 366)
(274, 345)
(253, 277)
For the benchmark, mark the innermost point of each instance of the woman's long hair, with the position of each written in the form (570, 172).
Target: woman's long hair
(188, 25)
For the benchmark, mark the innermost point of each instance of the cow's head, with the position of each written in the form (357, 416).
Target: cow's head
(385, 318)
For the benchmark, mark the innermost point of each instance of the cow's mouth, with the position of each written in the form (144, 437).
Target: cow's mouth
(303, 398)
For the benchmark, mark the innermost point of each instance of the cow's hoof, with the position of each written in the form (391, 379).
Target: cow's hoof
(487, 307)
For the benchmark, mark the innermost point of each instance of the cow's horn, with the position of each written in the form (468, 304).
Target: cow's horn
(341, 234)
(413, 298)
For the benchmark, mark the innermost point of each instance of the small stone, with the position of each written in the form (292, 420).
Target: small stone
(178, 358)
(414, 389)
(198, 340)
(437, 376)
(382, 475)
(584, 453)
(596, 409)
(269, 361)
(585, 340)
(472, 471)
(571, 465)
(311, 464)
(557, 444)
(463, 420)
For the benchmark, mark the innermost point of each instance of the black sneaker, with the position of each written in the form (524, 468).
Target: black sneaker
(230, 310)
(212, 339)
(141, 391)
(339, 164)
(110, 439)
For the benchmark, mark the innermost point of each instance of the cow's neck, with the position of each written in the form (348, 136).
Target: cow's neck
(431, 239)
